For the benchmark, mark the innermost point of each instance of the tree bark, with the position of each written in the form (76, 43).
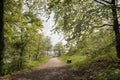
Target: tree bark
(116, 28)
(1, 35)
(21, 58)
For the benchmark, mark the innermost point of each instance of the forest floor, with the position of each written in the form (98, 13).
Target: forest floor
(54, 69)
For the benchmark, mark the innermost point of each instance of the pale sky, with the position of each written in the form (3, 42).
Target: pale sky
(48, 26)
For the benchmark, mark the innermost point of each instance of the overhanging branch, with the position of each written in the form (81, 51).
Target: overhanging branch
(100, 2)
(106, 1)
(103, 2)
(102, 25)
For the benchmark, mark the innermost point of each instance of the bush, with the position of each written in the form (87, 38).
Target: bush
(108, 74)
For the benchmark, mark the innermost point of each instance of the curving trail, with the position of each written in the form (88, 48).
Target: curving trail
(54, 69)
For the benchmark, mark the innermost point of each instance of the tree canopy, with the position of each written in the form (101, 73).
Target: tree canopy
(23, 37)
(77, 19)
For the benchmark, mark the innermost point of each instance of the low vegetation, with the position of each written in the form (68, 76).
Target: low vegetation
(32, 64)
(29, 65)
(91, 29)
(103, 66)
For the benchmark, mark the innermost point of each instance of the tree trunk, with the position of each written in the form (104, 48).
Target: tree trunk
(1, 34)
(21, 58)
(116, 28)
(21, 51)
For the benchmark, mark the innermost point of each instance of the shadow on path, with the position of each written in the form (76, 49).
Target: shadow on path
(54, 69)
(61, 73)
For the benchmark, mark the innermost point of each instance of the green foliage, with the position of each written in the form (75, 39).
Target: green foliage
(100, 66)
(77, 60)
(59, 49)
(78, 18)
(86, 25)
(31, 64)
(82, 61)
(80, 22)
(24, 42)
(108, 74)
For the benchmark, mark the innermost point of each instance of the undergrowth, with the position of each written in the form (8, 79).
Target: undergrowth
(100, 66)
(32, 64)
(29, 65)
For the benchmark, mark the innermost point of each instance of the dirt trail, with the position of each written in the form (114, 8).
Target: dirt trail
(54, 69)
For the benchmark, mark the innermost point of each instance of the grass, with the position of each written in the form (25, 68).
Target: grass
(76, 60)
(32, 64)
(108, 74)
(29, 65)
(102, 66)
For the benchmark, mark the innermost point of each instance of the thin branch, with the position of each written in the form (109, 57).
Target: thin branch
(105, 2)
(102, 25)
(100, 2)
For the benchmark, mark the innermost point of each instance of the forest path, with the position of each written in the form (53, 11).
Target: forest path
(54, 69)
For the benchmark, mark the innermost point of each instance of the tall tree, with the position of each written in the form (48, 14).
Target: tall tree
(116, 27)
(1, 34)
(20, 27)
(113, 6)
